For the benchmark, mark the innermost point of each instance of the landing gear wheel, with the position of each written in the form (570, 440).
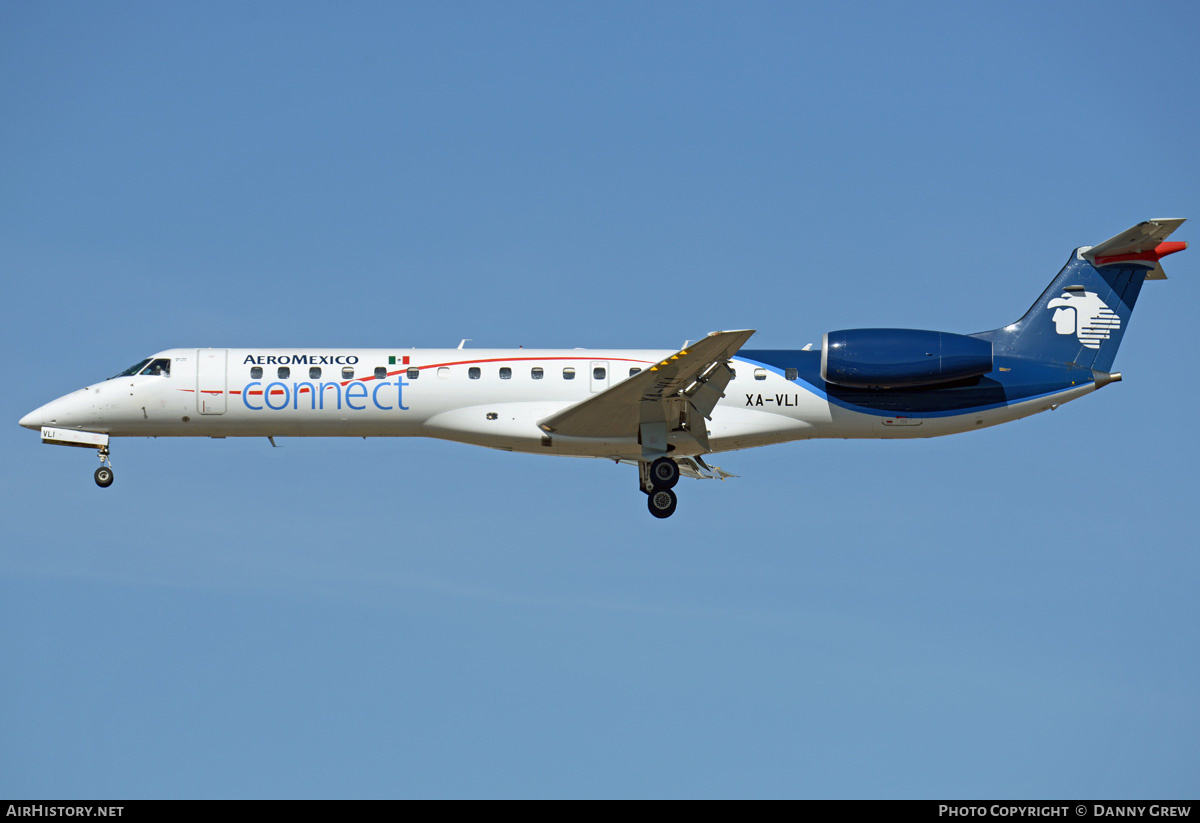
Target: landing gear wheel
(104, 477)
(664, 473)
(662, 502)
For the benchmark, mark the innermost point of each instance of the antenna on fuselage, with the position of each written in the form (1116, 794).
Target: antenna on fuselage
(464, 342)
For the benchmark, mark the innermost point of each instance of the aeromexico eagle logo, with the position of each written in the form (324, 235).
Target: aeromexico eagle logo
(1085, 315)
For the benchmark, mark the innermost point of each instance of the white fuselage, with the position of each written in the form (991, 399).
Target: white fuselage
(486, 397)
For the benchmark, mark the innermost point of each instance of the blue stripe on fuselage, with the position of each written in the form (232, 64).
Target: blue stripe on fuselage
(1023, 380)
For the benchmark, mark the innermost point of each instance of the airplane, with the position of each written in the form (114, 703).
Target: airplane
(663, 411)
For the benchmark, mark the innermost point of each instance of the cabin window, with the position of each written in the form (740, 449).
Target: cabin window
(444, 373)
(568, 373)
(314, 372)
(256, 372)
(284, 372)
(413, 373)
(536, 373)
(633, 371)
(599, 373)
(760, 374)
(348, 373)
(158, 368)
(474, 372)
(791, 374)
(505, 373)
(380, 373)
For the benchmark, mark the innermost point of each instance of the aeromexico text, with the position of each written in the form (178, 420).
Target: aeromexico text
(300, 360)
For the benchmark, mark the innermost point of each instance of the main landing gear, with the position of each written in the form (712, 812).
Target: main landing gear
(658, 480)
(104, 474)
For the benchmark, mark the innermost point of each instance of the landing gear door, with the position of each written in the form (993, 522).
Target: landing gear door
(210, 380)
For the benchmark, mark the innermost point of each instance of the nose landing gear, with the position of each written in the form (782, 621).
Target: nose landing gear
(104, 474)
(657, 480)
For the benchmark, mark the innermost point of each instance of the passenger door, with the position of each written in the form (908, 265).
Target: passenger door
(210, 380)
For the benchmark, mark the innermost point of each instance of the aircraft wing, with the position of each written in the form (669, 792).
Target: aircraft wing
(679, 392)
(1143, 242)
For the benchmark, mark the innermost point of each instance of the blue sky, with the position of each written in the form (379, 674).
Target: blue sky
(1008, 613)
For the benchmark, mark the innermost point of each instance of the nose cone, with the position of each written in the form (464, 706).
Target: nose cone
(71, 411)
(36, 418)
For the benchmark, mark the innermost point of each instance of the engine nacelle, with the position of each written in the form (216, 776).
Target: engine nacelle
(898, 358)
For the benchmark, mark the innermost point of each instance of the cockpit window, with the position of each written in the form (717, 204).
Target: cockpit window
(132, 370)
(160, 368)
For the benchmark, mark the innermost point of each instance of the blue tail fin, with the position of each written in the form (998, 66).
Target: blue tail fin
(1083, 314)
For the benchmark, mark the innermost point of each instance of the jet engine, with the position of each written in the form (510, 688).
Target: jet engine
(901, 358)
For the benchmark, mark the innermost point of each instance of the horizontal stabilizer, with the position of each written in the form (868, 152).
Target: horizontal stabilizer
(1144, 243)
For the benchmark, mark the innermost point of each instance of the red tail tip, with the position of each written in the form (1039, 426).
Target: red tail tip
(1159, 252)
